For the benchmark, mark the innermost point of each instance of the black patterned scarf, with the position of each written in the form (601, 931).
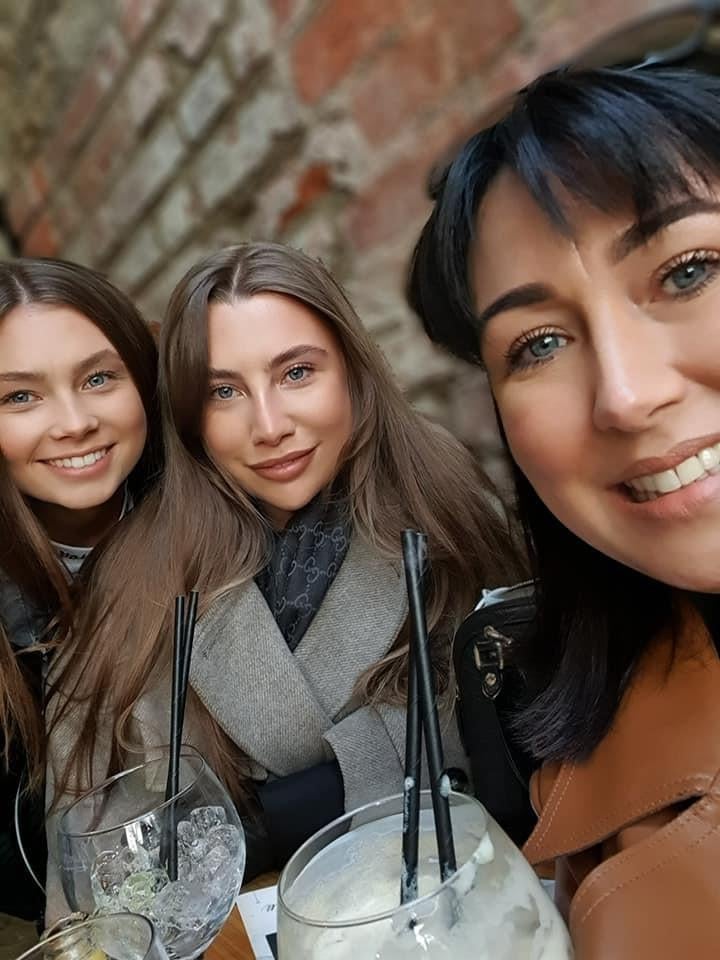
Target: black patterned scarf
(304, 560)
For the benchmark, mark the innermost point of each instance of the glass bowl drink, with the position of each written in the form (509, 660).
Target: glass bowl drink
(112, 845)
(339, 895)
(124, 936)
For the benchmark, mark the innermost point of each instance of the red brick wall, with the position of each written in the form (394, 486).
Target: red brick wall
(182, 125)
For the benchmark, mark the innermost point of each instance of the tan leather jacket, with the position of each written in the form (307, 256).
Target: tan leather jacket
(635, 830)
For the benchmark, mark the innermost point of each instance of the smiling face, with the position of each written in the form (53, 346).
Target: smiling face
(603, 353)
(72, 424)
(278, 413)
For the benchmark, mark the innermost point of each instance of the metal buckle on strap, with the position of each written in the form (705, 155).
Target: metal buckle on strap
(490, 661)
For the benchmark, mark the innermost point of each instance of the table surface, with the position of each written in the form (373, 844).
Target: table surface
(232, 942)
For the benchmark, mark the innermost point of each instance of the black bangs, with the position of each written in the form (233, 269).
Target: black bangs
(616, 139)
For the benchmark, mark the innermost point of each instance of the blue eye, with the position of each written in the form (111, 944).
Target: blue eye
(18, 398)
(223, 392)
(686, 277)
(533, 349)
(99, 378)
(298, 373)
(691, 275)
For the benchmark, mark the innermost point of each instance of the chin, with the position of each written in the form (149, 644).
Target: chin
(694, 577)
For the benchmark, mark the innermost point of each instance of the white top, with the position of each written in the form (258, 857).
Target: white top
(74, 557)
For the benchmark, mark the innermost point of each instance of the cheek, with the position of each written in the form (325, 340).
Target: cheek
(18, 440)
(547, 440)
(218, 437)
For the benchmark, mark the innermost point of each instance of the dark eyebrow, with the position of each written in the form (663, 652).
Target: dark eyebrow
(639, 233)
(102, 356)
(526, 296)
(294, 352)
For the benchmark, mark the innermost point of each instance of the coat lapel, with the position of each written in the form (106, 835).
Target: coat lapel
(663, 748)
(276, 706)
(355, 627)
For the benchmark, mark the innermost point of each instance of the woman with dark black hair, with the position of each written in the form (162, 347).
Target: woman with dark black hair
(574, 252)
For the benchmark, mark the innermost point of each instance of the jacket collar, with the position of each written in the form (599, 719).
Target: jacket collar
(274, 704)
(663, 748)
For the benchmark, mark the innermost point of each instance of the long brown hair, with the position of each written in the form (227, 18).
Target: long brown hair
(197, 530)
(27, 557)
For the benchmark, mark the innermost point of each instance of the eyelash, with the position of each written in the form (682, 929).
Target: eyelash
(513, 354)
(308, 367)
(708, 257)
(9, 397)
(110, 374)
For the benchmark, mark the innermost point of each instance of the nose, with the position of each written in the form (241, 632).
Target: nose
(72, 418)
(271, 421)
(636, 376)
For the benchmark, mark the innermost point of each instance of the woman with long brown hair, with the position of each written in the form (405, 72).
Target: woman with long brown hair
(77, 401)
(293, 464)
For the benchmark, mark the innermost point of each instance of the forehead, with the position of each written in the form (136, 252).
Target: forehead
(513, 234)
(43, 336)
(258, 328)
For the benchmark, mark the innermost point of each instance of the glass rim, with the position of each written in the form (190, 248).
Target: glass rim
(463, 798)
(185, 750)
(90, 922)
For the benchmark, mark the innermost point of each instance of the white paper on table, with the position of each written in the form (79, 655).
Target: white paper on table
(258, 910)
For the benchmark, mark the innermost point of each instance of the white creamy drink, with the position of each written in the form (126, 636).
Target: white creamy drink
(493, 908)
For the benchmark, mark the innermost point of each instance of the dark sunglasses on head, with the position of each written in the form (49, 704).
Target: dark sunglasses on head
(684, 36)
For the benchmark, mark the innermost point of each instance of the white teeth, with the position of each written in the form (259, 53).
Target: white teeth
(689, 471)
(697, 467)
(77, 463)
(667, 481)
(709, 458)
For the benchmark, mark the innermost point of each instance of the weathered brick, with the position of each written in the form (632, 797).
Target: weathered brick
(248, 41)
(406, 77)
(23, 199)
(149, 171)
(42, 239)
(108, 60)
(283, 10)
(136, 16)
(139, 256)
(147, 89)
(336, 38)
(414, 359)
(153, 300)
(476, 31)
(206, 96)
(103, 155)
(67, 214)
(313, 183)
(40, 179)
(398, 196)
(241, 146)
(178, 214)
(191, 26)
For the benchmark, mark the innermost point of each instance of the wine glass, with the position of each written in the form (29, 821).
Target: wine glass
(121, 936)
(113, 843)
(339, 895)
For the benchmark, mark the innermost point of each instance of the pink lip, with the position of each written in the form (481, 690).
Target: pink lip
(676, 455)
(285, 468)
(681, 504)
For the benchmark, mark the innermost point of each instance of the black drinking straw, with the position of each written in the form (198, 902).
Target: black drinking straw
(414, 552)
(183, 636)
(189, 637)
(413, 747)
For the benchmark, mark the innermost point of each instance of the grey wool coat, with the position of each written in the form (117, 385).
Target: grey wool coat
(288, 711)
